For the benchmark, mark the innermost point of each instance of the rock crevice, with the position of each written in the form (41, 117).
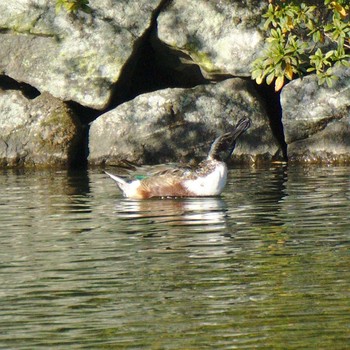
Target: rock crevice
(157, 80)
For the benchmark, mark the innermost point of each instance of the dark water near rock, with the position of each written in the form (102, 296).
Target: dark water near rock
(266, 266)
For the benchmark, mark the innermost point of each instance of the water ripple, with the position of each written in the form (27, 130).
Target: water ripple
(265, 266)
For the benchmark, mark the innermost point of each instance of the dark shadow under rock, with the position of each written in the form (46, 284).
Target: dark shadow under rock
(180, 124)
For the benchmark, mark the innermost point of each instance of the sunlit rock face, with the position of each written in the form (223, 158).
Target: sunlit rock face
(76, 57)
(316, 119)
(180, 124)
(172, 76)
(38, 132)
(221, 37)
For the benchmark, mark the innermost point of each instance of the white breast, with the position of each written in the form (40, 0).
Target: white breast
(131, 189)
(211, 184)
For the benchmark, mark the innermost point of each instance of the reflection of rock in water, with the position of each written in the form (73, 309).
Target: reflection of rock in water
(257, 193)
(199, 214)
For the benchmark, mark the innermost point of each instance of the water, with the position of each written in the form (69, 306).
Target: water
(266, 266)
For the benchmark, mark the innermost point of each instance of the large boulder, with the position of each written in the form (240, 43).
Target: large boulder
(39, 132)
(221, 37)
(316, 119)
(75, 57)
(180, 124)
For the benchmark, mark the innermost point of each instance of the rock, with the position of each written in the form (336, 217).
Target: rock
(316, 119)
(173, 125)
(76, 57)
(39, 132)
(222, 37)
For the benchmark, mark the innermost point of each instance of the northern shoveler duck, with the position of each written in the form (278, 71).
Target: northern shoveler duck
(207, 179)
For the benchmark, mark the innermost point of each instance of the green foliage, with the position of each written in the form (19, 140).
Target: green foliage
(304, 38)
(73, 6)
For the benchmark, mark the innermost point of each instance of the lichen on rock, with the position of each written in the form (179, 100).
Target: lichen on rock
(222, 38)
(74, 57)
(39, 132)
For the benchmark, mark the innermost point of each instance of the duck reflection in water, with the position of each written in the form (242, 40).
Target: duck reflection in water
(200, 214)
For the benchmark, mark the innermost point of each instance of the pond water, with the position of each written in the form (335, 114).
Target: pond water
(265, 266)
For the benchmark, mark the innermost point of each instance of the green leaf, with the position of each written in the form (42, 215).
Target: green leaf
(316, 37)
(345, 63)
(270, 78)
(256, 74)
(279, 83)
(73, 6)
(259, 79)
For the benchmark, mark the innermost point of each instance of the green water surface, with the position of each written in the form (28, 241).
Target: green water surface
(265, 266)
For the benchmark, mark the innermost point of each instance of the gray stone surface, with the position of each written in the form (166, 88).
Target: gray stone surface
(316, 119)
(74, 57)
(39, 132)
(222, 37)
(180, 125)
(90, 58)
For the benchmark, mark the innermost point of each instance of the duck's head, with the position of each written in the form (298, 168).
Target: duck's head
(223, 146)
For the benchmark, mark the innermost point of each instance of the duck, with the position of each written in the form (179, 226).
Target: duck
(207, 179)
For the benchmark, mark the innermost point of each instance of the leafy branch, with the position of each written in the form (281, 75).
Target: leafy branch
(73, 6)
(303, 38)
